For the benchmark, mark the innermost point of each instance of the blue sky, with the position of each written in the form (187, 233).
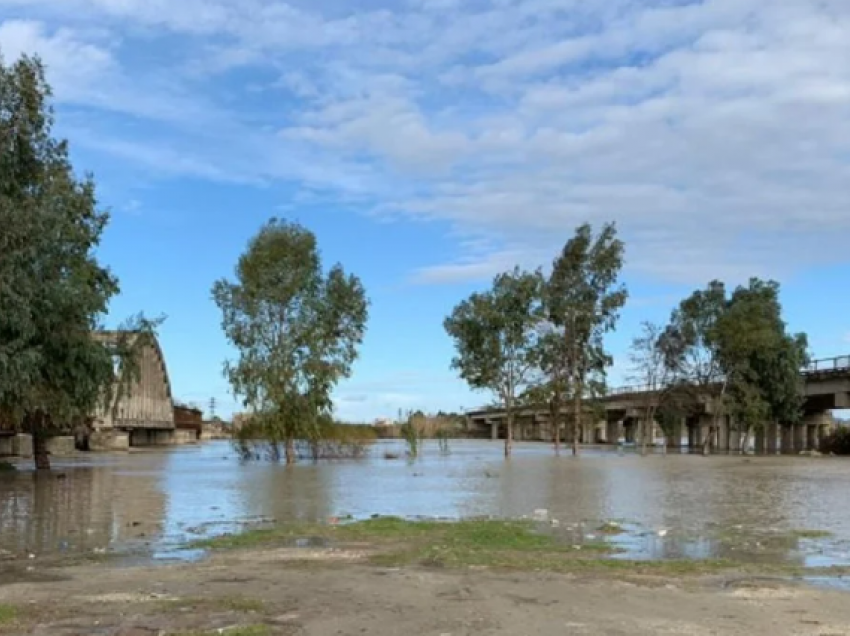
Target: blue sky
(431, 144)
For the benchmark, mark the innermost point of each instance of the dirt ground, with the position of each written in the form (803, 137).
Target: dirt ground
(333, 592)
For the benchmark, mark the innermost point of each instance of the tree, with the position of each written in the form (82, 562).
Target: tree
(53, 290)
(761, 361)
(697, 361)
(552, 386)
(736, 351)
(649, 354)
(495, 336)
(296, 330)
(583, 300)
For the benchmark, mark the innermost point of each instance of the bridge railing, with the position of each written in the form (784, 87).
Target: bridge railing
(828, 365)
(825, 365)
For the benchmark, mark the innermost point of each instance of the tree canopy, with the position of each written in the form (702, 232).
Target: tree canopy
(495, 335)
(582, 301)
(296, 330)
(53, 290)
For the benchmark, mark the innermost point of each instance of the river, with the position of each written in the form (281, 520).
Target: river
(150, 504)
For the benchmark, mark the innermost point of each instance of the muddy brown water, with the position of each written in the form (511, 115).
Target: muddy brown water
(152, 503)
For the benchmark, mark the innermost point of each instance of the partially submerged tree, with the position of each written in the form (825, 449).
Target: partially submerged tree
(736, 351)
(761, 361)
(495, 336)
(296, 330)
(583, 299)
(53, 290)
(552, 388)
(649, 355)
(697, 360)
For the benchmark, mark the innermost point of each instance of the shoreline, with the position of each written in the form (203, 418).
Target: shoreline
(387, 577)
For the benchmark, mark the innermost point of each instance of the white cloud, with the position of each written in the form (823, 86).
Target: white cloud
(714, 132)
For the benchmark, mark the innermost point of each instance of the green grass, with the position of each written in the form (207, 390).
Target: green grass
(8, 614)
(247, 630)
(810, 534)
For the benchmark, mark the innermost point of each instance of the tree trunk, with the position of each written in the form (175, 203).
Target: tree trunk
(576, 421)
(290, 451)
(509, 431)
(644, 433)
(39, 443)
(554, 413)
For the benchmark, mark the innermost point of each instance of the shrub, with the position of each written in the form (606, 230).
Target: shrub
(837, 442)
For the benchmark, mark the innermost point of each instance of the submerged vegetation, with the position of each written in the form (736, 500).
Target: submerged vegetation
(327, 440)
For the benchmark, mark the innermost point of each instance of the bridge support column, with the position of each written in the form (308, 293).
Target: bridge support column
(772, 435)
(817, 427)
(674, 439)
(734, 438)
(494, 430)
(786, 439)
(800, 437)
(723, 434)
(760, 441)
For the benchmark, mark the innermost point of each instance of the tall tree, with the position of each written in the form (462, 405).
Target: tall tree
(583, 301)
(495, 334)
(296, 329)
(53, 290)
(552, 385)
(760, 359)
(698, 361)
(737, 351)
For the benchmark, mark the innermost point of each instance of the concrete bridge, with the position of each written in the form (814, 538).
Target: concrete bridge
(827, 387)
(142, 416)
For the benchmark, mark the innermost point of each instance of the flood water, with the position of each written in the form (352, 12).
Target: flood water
(152, 503)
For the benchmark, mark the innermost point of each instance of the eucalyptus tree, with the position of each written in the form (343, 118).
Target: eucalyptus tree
(736, 349)
(53, 290)
(582, 300)
(296, 329)
(495, 335)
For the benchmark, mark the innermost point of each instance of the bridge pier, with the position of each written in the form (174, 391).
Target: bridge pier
(674, 439)
(494, 430)
(772, 435)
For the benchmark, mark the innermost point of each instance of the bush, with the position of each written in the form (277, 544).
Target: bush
(837, 442)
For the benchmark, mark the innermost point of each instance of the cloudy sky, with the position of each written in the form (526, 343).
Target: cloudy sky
(433, 143)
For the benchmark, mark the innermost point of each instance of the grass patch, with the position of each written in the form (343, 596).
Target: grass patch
(247, 630)
(810, 534)
(8, 614)
(610, 528)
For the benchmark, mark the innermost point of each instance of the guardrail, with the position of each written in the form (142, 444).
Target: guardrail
(840, 364)
(828, 365)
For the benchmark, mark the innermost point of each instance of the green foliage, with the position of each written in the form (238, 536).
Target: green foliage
(410, 435)
(496, 338)
(327, 440)
(296, 330)
(740, 344)
(582, 302)
(837, 442)
(52, 288)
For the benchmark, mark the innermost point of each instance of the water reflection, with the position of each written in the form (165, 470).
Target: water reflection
(674, 507)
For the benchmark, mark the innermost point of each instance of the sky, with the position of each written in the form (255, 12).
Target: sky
(431, 144)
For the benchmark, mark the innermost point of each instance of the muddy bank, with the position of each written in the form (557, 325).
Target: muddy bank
(333, 591)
